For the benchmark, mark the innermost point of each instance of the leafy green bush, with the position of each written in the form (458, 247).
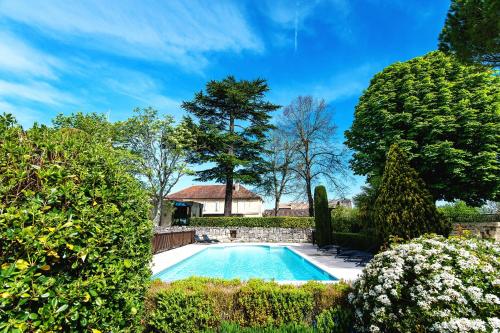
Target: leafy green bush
(334, 320)
(200, 303)
(322, 220)
(460, 212)
(75, 237)
(346, 219)
(431, 284)
(261, 222)
(358, 241)
(404, 207)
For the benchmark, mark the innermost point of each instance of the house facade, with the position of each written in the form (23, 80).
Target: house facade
(245, 202)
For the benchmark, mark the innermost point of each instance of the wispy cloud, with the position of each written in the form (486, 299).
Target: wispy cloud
(17, 57)
(177, 32)
(34, 91)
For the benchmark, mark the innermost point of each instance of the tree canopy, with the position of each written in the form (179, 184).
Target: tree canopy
(233, 119)
(472, 31)
(445, 114)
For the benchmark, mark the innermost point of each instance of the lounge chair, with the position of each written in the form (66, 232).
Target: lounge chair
(197, 239)
(208, 240)
(327, 248)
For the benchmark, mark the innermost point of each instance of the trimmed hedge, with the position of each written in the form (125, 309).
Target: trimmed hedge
(201, 303)
(261, 222)
(75, 235)
(358, 241)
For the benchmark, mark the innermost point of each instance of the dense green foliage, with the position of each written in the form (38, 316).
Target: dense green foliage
(472, 31)
(458, 211)
(445, 114)
(261, 222)
(346, 219)
(356, 240)
(233, 119)
(287, 328)
(95, 124)
(199, 303)
(404, 207)
(431, 284)
(75, 235)
(322, 220)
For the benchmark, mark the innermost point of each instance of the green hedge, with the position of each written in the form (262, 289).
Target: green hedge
(263, 222)
(358, 241)
(75, 236)
(199, 304)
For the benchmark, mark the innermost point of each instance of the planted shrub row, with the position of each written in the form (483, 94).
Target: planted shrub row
(198, 304)
(359, 241)
(261, 222)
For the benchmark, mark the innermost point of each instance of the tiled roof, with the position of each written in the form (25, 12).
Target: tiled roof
(287, 212)
(212, 192)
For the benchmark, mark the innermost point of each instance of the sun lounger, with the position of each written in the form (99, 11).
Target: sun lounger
(208, 240)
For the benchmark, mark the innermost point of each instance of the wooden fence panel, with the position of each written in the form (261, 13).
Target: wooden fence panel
(170, 240)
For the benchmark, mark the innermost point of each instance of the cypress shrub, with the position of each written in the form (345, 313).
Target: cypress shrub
(404, 207)
(322, 217)
(75, 235)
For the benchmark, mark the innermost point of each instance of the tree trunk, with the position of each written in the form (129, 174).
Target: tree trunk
(276, 206)
(228, 200)
(310, 197)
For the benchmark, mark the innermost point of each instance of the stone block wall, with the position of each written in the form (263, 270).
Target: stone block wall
(246, 234)
(483, 230)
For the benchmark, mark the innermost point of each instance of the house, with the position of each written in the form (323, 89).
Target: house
(245, 202)
(298, 209)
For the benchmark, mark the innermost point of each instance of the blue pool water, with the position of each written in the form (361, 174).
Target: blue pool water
(245, 262)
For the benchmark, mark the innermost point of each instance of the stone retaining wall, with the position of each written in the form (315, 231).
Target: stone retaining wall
(246, 234)
(484, 229)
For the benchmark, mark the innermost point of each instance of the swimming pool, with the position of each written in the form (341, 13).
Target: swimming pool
(243, 262)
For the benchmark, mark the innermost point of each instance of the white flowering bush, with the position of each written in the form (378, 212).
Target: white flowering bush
(431, 284)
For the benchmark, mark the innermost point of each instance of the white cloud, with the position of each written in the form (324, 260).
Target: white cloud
(18, 57)
(34, 91)
(178, 32)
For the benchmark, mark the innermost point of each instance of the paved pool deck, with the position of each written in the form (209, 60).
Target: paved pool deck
(337, 267)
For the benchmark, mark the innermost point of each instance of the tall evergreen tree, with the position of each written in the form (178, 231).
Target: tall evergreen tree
(472, 31)
(322, 218)
(404, 207)
(233, 119)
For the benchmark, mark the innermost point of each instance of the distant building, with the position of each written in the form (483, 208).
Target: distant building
(298, 209)
(245, 202)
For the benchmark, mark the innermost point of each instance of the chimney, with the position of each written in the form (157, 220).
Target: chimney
(236, 187)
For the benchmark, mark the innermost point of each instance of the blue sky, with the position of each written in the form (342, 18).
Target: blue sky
(111, 56)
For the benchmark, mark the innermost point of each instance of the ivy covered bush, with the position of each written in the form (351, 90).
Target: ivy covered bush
(75, 235)
(431, 284)
(198, 304)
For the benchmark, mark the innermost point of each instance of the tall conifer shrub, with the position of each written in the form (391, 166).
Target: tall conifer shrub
(322, 217)
(404, 206)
